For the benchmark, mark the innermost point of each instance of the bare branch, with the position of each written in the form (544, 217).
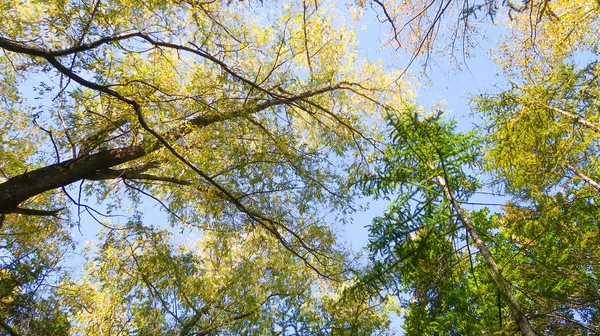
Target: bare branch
(390, 20)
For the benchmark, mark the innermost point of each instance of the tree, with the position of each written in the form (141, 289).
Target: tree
(538, 145)
(422, 243)
(429, 28)
(244, 121)
(228, 283)
(543, 152)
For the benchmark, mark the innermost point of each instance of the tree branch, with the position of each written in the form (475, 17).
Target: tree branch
(36, 212)
(22, 187)
(584, 177)
(135, 173)
(576, 118)
(8, 329)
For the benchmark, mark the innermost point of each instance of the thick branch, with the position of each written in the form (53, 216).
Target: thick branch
(37, 212)
(110, 174)
(18, 46)
(24, 186)
(58, 175)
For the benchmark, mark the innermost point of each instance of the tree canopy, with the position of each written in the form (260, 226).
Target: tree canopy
(255, 127)
(246, 122)
(531, 267)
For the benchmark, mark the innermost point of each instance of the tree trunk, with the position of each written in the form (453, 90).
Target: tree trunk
(515, 310)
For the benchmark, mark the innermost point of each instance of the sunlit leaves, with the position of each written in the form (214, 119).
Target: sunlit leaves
(272, 116)
(223, 282)
(540, 128)
(33, 251)
(548, 33)
(543, 152)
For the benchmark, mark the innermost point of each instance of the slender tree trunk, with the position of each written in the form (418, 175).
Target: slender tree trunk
(515, 310)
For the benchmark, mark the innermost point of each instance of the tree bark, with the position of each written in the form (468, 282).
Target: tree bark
(24, 186)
